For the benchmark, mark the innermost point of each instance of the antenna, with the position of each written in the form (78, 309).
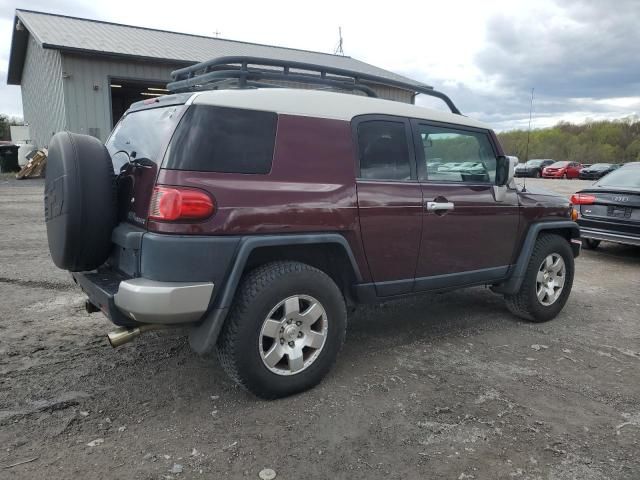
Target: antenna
(217, 33)
(338, 50)
(526, 155)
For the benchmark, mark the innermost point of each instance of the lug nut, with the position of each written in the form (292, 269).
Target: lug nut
(281, 329)
(282, 341)
(300, 334)
(298, 323)
(289, 321)
(291, 344)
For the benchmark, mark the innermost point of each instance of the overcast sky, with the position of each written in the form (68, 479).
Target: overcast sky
(581, 56)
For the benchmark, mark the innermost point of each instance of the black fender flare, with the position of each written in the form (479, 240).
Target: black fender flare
(203, 336)
(516, 276)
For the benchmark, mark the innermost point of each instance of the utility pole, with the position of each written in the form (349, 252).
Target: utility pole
(338, 50)
(526, 156)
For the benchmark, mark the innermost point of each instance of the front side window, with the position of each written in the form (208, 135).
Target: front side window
(452, 155)
(384, 151)
(220, 139)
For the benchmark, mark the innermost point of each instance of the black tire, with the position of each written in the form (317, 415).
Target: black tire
(590, 243)
(260, 291)
(525, 303)
(538, 174)
(80, 201)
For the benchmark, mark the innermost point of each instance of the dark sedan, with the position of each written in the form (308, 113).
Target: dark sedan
(597, 171)
(533, 168)
(610, 209)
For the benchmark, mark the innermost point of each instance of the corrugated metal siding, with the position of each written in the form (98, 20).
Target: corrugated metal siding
(42, 93)
(89, 109)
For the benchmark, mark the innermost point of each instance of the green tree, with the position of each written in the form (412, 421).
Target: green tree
(591, 142)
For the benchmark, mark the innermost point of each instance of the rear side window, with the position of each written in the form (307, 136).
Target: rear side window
(384, 151)
(219, 139)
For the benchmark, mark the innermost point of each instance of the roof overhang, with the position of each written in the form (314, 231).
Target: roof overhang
(18, 52)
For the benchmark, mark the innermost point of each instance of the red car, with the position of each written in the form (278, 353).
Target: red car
(562, 170)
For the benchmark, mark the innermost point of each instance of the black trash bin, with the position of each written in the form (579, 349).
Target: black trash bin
(9, 158)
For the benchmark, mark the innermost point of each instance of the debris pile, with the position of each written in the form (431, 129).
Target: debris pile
(35, 167)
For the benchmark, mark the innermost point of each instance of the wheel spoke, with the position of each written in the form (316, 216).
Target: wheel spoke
(548, 262)
(557, 265)
(296, 361)
(541, 293)
(540, 276)
(274, 355)
(313, 339)
(271, 328)
(312, 314)
(292, 306)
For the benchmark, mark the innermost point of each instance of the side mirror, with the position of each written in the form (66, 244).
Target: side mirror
(505, 170)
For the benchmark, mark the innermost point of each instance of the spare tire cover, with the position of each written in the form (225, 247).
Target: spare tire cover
(79, 201)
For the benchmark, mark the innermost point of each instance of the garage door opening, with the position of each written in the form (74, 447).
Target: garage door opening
(126, 92)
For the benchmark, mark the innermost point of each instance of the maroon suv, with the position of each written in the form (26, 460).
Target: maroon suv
(257, 216)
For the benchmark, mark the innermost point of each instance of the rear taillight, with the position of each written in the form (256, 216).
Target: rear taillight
(174, 204)
(582, 199)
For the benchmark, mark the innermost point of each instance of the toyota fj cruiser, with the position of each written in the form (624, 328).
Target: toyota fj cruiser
(256, 216)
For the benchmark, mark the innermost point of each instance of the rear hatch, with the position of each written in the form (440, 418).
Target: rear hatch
(137, 145)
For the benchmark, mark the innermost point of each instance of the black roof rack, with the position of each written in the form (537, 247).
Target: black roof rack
(249, 72)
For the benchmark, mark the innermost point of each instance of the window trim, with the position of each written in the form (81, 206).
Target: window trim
(418, 147)
(355, 123)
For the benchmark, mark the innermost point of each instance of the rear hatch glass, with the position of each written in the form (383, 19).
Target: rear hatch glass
(136, 147)
(142, 134)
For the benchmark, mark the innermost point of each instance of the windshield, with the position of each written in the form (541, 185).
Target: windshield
(622, 177)
(600, 166)
(559, 164)
(533, 163)
(141, 134)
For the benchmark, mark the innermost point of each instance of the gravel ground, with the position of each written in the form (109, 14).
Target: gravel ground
(441, 386)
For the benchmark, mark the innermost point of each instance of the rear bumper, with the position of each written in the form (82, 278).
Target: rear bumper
(596, 234)
(127, 302)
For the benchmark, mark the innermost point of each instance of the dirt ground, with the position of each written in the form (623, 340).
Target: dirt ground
(442, 386)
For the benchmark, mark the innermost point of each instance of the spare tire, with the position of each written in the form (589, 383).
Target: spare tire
(79, 201)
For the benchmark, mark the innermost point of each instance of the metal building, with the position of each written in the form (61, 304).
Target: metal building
(81, 75)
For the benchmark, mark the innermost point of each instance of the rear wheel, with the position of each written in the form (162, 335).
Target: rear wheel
(547, 282)
(284, 330)
(590, 243)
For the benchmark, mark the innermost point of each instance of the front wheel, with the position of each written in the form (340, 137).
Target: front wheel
(538, 174)
(284, 331)
(547, 282)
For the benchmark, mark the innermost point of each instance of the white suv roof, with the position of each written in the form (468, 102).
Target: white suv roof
(316, 103)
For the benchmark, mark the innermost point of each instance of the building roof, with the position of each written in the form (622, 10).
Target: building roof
(322, 104)
(81, 35)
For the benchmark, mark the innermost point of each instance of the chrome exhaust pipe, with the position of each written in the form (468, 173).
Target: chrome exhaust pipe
(125, 335)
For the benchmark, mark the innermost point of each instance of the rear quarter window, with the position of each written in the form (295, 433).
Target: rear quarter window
(220, 139)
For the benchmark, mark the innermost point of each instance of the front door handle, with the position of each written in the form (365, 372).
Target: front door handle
(439, 206)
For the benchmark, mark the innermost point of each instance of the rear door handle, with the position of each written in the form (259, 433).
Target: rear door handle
(439, 206)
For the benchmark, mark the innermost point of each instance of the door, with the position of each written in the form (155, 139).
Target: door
(573, 170)
(468, 230)
(389, 202)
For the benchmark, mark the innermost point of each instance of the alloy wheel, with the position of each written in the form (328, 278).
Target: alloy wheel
(550, 279)
(293, 334)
